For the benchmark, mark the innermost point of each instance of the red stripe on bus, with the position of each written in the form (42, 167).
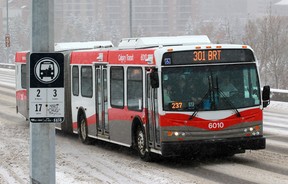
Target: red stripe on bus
(132, 57)
(90, 121)
(20, 57)
(117, 114)
(247, 116)
(126, 114)
(88, 57)
(21, 95)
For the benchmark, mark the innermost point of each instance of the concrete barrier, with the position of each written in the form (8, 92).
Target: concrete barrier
(6, 65)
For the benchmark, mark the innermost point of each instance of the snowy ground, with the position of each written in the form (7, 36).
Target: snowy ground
(107, 163)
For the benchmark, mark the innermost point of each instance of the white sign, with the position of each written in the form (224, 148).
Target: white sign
(46, 103)
(46, 92)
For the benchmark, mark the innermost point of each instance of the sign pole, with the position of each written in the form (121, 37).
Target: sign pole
(42, 135)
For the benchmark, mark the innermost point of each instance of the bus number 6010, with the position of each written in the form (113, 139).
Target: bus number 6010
(216, 125)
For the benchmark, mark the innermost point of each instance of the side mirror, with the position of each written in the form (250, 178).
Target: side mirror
(154, 79)
(266, 96)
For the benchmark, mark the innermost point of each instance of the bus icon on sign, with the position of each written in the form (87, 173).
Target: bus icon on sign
(46, 70)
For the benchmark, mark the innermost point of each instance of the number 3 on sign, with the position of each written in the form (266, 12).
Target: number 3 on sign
(54, 92)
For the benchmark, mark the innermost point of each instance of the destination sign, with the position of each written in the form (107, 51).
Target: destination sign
(208, 56)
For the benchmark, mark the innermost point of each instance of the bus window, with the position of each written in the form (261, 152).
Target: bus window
(117, 87)
(210, 88)
(23, 76)
(86, 81)
(134, 88)
(75, 81)
(250, 83)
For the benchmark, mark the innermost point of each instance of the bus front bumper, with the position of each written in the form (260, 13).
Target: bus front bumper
(209, 147)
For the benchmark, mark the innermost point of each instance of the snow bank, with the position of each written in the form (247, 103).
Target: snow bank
(276, 106)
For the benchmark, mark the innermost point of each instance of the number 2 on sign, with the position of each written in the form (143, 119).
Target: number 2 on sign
(38, 92)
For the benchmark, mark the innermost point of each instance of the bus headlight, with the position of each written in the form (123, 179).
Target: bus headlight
(255, 130)
(175, 133)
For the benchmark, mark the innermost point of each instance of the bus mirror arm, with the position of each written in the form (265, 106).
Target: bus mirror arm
(154, 79)
(266, 96)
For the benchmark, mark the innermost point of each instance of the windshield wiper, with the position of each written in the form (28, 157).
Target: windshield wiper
(202, 99)
(198, 104)
(212, 89)
(228, 101)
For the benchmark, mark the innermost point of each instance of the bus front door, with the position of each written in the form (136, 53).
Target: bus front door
(152, 128)
(101, 101)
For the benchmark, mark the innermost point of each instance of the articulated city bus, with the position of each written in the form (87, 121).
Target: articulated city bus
(21, 88)
(163, 95)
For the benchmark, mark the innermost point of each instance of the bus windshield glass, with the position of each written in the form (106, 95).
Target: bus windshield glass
(213, 87)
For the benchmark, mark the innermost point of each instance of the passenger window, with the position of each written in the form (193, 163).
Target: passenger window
(23, 76)
(75, 80)
(86, 81)
(117, 87)
(134, 88)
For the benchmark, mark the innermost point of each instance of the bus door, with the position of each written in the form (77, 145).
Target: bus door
(101, 102)
(153, 135)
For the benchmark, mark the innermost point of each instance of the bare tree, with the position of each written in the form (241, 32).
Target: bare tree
(140, 31)
(189, 26)
(268, 37)
(211, 28)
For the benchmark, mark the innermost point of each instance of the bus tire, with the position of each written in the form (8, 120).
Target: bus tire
(141, 145)
(83, 130)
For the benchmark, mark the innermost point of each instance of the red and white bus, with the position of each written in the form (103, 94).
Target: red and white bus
(165, 95)
(21, 87)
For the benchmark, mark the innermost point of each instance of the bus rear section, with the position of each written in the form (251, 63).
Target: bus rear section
(21, 80)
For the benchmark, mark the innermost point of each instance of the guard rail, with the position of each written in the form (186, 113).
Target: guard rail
(6, 65)
(276, 94)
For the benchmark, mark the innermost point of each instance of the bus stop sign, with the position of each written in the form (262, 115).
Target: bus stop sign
(46, 92)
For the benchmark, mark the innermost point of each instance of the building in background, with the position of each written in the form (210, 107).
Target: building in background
(162, 17)
(110, 19)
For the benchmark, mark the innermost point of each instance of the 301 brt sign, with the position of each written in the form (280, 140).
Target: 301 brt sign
(46, 93)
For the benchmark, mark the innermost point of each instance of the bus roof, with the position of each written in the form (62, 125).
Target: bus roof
(82, 45)
(148, 42)
(206, 46)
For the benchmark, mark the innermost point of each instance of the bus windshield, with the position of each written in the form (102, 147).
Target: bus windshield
(213, 87)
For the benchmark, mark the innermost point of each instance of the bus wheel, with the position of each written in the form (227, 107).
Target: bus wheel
(83, 130)
(141, 145)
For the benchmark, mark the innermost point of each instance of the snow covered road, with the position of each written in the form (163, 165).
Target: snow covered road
(108, 163)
